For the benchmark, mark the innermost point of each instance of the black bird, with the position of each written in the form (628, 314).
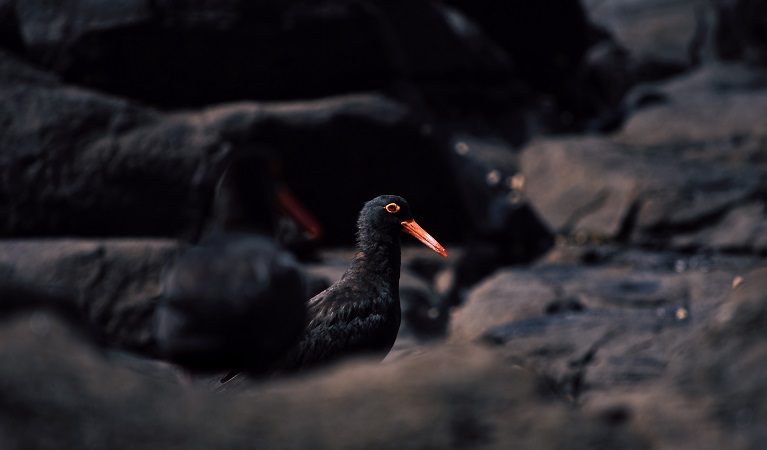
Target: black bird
(237, 300)
(360, 313)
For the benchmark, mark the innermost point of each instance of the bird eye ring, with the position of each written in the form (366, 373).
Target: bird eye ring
(392, 208)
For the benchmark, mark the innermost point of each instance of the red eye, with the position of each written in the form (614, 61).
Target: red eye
(392, 208)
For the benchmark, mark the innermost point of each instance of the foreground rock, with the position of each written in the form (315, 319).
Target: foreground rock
(725, 360)
(69, 395)
(450, 396)
(634, 332)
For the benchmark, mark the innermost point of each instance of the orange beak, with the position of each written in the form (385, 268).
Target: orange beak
(291, 206)
(410, 227)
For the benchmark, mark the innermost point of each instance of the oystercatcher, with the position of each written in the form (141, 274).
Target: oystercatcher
(360, 313)
(237, 299)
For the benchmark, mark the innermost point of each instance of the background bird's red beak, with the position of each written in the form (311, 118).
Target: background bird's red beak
(411, 227)
(290, 205)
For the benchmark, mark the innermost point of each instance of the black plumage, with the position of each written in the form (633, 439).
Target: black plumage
(237, 300)
(360, 313)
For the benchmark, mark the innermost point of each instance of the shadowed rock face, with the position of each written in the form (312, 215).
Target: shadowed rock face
(740, 33)
(209, 52)
(452, 394)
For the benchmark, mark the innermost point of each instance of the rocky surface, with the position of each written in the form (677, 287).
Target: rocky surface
(115, 282)
(661, 33)
(605, 287)
(686, 173)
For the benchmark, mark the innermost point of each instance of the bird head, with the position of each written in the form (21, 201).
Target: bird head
(391, 214)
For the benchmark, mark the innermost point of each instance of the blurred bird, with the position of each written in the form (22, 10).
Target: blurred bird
(237, 300)
(360, 313)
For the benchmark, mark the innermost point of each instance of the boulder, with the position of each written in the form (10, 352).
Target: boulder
(76, 162)
(180, 53)
(69, 394)
(596, 188)
(723, 360)
(740, 31)
(560, 40)
(686, 171)
(714, 110)
(591, 330)
(662, 36)
(115, 283)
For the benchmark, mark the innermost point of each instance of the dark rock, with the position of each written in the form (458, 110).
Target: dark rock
(724, 360)
(115, 283)
(649, 41)
(70, 395)
(18, 297)
(10, 33)
(741, 31)
(180, 53)
(561, 39)
(618, 331)
(506, 229)
(93, 165)
(73, 159)
(663, 36)
(632, 338)
(691, 183)
(710, 112)
(576, 72)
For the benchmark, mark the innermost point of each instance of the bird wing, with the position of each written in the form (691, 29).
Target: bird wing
(334, 329)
